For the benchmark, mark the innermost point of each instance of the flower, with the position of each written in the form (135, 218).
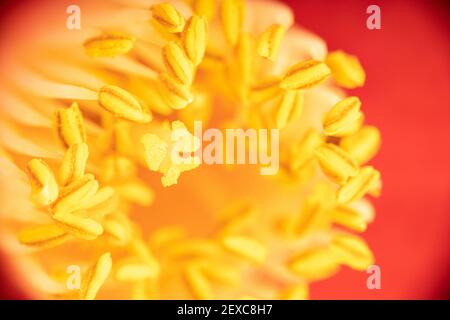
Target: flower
(99, 108)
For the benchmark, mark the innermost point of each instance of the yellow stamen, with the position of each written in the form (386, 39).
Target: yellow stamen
(269, 41)
(96, 277)
(46, 236)
(343, 115)
(73, 196)
(349, 217)
(346, 69)
(109, 45)
(291, 105)
(303, 152)
(305, 74)
(84, 228)
(352, 251)
(363, 145)
(73, 164)
(195, 39)
(177, 63)
(359, 185)
(122, 104)
(44, 188)
(232, 12)
(175, 94)
(314, 264)
(70, 125)
(168, 17)
(336, 163)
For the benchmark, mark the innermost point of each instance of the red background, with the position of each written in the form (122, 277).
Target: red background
(406, 95)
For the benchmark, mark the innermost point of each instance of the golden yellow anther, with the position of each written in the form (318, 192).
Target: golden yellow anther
(109, 45)
(96, 277)
(197, 283)
(195, 38)
(175, 94)
(305, 74)
(349, 217)
(314, 264)
(155, 150)
(206, 8)
(363, 145)
(70, 125)
(269, 41)
(245, 247)
(73, 164)
(346, 69)
(232, 12)
(103, 202)
(352, 251)
(168, 17)
(45, 236)
(290, 106)
(359, 185)
(75, 195)
(177, 63)
(122, 104)
(303, 152)
(83, 228)
(336, 163)
(44, 188)
(343, 115)
(134, 272)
